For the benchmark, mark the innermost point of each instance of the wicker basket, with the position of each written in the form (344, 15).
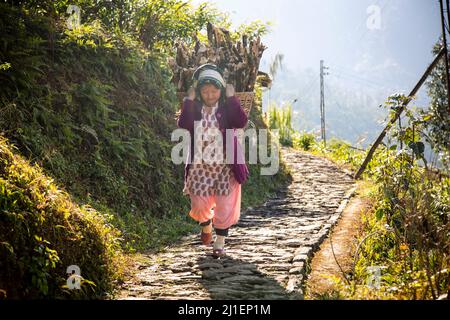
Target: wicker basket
(246, 99)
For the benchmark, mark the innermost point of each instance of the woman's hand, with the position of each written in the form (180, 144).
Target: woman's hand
(191, 93)
(229, 91)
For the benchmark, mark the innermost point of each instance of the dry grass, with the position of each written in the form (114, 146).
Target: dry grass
(325, 270)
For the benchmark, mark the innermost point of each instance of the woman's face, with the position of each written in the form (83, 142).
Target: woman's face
(210, 94)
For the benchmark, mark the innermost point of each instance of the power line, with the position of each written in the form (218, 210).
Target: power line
(446, 26)
(333, 57)
(448, 14)
(310, 85)
(444, 41)
(353, 75)
(334, 99)
(360, 82)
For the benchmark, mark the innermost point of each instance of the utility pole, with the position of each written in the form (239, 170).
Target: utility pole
(444, 40)
(322, 102)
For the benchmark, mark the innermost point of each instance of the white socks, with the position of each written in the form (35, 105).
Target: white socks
(219, 243)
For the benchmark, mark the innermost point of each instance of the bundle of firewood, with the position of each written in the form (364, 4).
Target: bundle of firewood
(239, 61)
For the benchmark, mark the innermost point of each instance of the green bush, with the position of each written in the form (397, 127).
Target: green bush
(42, 232)
(303, 140)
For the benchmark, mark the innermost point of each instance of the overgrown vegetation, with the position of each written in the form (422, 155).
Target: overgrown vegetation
(281, 119)
(406, 235)
(96, 113)
(411, 228)
(94, 108)
(261, 187)
(43, 232)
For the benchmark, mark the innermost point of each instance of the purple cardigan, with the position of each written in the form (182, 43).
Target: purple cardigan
(230, 115)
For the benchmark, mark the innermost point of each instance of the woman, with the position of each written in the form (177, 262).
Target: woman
(214, 183)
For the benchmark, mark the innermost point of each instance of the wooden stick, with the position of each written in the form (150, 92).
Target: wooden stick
(240, 61)
(398, 113)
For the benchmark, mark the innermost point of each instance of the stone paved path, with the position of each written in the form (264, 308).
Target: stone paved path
(267, 252)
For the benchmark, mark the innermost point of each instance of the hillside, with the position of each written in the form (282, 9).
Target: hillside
(94, 109)
(43, 232)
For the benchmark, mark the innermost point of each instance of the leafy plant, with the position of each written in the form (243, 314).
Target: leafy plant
(281, 119)
(303, 140)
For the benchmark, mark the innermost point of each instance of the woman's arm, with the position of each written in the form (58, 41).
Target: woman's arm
(186, 119)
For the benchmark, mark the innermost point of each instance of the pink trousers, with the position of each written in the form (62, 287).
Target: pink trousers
(227, 209)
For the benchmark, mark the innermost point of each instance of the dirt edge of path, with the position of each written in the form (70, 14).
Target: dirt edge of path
(323, 268)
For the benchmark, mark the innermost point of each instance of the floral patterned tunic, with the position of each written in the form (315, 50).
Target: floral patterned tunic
(212, 176)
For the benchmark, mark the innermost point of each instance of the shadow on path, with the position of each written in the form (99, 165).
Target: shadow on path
(236, 279)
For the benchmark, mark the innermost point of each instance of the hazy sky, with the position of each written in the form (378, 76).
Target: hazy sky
(372, 47)
(336, 31)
